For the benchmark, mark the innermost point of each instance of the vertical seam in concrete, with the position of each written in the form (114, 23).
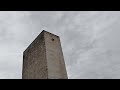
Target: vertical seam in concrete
(22, 66)
(45, 52)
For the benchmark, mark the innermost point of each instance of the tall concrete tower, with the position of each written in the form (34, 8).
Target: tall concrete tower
(43, 59)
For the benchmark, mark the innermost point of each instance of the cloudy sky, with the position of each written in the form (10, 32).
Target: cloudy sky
(90, 41)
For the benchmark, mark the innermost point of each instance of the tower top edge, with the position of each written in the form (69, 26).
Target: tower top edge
(44, 31)
(40, 35)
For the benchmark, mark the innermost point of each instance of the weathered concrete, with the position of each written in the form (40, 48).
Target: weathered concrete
(43, 59)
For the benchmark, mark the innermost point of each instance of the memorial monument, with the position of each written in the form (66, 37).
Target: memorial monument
(43, 59)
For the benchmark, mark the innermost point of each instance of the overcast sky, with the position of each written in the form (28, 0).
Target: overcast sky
(90, 41)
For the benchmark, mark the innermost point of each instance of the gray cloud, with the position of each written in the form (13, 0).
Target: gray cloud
(90, 40)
